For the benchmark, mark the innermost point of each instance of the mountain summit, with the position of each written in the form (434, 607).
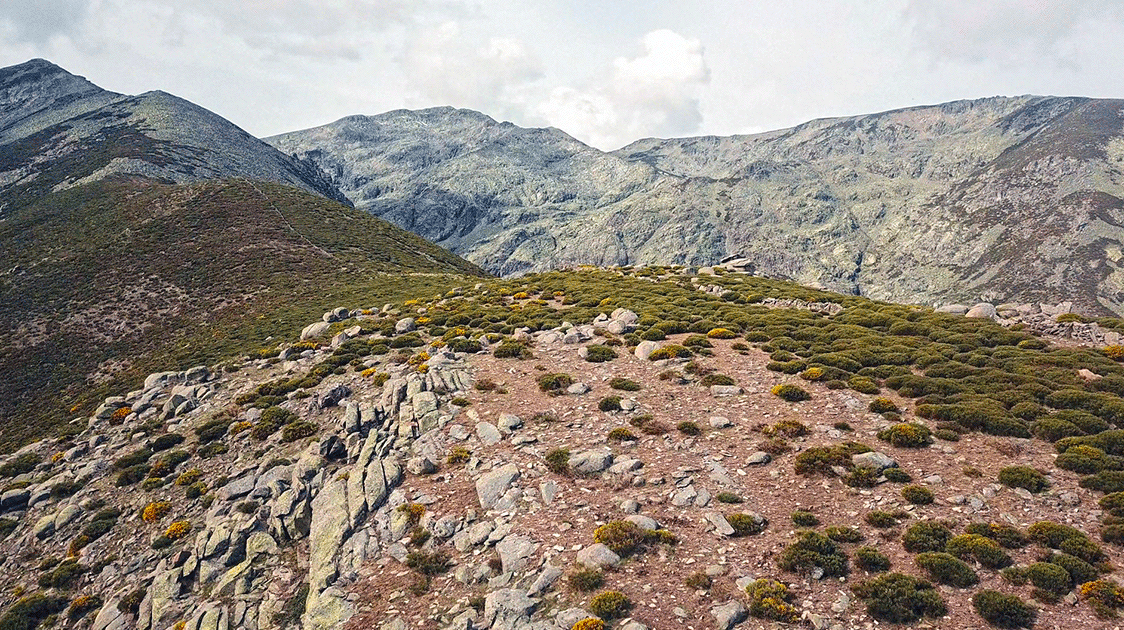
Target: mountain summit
(58, 130)
(1001, 198)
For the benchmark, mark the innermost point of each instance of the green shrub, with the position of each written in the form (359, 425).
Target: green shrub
(1085, 460)
(945, 568)
(882, 405)
(670, 351)
(558, 461)
(1002, 610)
(624, 384)
(626, 538)
(727, 497)
(298, 430)
(687, 427)
(1052, 535)
(586, 579)
(880, 519)
(599, 354)
(610, 403)
(769, 599)
(621, 434)
(428, 563)
(554, 384)
(166, 441)
(813, 550)
(980, 548)
(863, 385)
(842, 534)
(1049, 577)
(872, 560)
(746, 524)
(717, 379)
(925, 536)
(801, 518)
(27, 612)
(907, 434)
(1104, 596)
(1079, 571)
(610, 605)
(135, 458)
(790, 393)
(19, 465)
(1108, 481)
(917, 495)
(1008, 536)
(900, 598)
(820, 460)
(1023, 477)
(897, 475)
(63, 576)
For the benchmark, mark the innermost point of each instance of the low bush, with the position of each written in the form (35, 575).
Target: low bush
(917, 495)
(1023, 477)
(925, 536)
(1105, 597)
(979, 548)
(558, 461)
(882, 405)
(1002, 610)
(871, 560)
(586, 579)
(801, 518)
(746, 524)
(1006, 535)
(900, 598)
(610, 605)
(842, 534)
(670, 351)
(599, 354)
(769, 599)
(907, 434)
(790, 393)
(610, 403)
(687, 427)
(626, 538)
(813, 550)
(880, 519)
(624, 384)
(945, 568)
(554, 384)
(428, 563)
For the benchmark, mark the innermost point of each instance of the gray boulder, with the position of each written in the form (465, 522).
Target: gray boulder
(492, 486)
(728, 615)
(591, 462)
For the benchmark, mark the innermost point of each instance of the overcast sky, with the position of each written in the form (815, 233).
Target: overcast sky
(606, 71)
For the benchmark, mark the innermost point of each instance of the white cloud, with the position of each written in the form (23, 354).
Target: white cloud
(653, 94)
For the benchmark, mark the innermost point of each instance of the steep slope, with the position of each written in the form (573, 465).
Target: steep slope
(104, 280)
(58, 130)
(1001, 198)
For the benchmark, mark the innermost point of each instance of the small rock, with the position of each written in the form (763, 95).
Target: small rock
(577, 389)
(759, 458)
(719, 422)
(729, 614)
(487, 433)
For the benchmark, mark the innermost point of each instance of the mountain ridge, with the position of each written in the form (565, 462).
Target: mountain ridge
(896, 205)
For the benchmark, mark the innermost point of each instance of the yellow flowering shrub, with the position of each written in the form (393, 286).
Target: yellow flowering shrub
(177, 530)
(155, 511)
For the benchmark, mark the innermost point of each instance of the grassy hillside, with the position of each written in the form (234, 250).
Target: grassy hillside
(102, 283)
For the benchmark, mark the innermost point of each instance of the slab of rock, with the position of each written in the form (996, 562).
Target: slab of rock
(405, 325)
(874, 459)
(644, 522)
(759, 458)
(721, 525)
(577, 389)
(545, 580)
(509, 422)
(725, 390)
(598, 555)
(983, 310)
(312, 331)
(492, 486)
(720, 422)
(487, 433)
(645, 349)
(515, 553)
(591, 462)
(508, 609)
(728, 615)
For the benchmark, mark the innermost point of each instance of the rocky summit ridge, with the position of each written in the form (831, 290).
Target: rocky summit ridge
(58, 131)
(1000, 199)
(589, 449)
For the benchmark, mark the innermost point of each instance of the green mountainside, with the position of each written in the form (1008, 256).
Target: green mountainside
(107, 280)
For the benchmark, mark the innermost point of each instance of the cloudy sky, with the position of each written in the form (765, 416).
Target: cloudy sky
(606, 71)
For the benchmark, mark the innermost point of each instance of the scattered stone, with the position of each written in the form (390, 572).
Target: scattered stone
(487, 433)
(598, 555)
(591, 462)
(720, 422)
(874, 459)
(492, 486)
(728, 615)
(758, 458)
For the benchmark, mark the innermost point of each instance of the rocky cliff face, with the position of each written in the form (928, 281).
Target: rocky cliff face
(1000, 198)
(58, 130)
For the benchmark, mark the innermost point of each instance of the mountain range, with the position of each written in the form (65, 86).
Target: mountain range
(1005, 199)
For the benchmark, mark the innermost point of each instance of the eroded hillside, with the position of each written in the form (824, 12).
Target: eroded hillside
(626, 448)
